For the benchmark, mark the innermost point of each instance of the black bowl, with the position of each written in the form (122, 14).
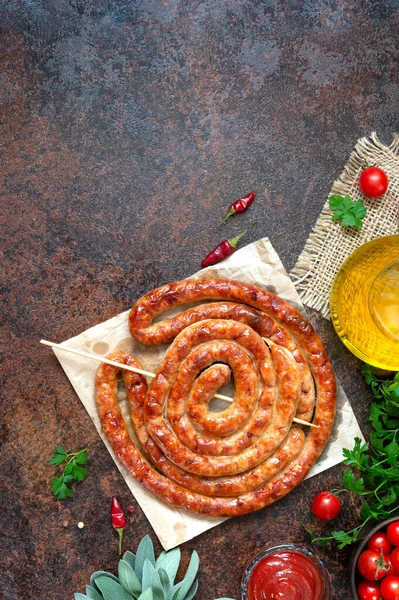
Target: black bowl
(355, 575)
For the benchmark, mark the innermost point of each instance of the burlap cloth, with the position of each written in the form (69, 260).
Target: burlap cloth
(330, 244)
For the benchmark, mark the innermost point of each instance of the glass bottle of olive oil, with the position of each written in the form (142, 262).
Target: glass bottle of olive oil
(365, 302)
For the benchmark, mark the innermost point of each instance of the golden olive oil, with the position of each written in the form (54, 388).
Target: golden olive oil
(365, 302)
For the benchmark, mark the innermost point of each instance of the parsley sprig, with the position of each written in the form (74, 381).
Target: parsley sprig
(349, 213)
(73, 471)
(373, 475)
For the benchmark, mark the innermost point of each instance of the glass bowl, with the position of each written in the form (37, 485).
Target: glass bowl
(364, 302)
(288, 548)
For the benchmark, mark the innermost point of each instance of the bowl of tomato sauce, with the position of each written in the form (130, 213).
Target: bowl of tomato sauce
(288, 571)
(375, 564)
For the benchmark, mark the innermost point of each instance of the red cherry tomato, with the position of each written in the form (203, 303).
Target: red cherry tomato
(379, 541)
(394, 558)
(373, 182)
(326, 506)
(369, 590)
(389, 587)
(393, 533)
(373, 565)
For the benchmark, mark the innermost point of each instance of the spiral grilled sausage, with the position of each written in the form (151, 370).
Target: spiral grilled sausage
(248, 455)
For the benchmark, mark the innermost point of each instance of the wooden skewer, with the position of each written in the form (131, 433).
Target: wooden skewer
(97, 357)
(136, 370)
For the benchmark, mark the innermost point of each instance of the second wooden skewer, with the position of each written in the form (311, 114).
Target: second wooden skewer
(136, 370)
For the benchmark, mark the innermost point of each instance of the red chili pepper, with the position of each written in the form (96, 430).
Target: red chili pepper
(224, 249)
(239, 206)
(118, 520)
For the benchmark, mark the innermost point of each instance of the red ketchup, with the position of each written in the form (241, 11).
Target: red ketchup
(286, 575)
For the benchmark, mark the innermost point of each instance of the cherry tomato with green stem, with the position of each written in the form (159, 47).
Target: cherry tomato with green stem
(373, 565)
(326, 506)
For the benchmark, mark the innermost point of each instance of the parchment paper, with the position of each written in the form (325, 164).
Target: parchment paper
(256, 263)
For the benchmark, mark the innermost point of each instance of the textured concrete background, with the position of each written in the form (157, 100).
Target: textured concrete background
(127, 128)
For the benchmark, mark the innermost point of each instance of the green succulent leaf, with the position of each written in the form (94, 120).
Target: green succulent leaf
(192, 591)
(98, 574)
(145, 551)
(111, 590)
(92, 593)
(170, 562)
(193, 565)
(143, 578)
(128, 578)
(146, 595)
(165, 581)
(148, 574)
(130, 558)
(180, 590)
(157, 589)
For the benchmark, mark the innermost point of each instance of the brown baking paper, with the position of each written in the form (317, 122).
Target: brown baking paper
(256, 263)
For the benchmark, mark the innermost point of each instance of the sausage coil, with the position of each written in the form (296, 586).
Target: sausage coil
(249, 454)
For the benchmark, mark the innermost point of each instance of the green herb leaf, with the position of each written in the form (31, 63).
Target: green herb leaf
(342, 538)
(356, 456)
(348, 212)
(340, 203)
(352, 484)
(59, 457)
(60, 489)
(73, 471)
(374, 467)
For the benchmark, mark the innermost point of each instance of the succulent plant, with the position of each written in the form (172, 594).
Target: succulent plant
(141, 577)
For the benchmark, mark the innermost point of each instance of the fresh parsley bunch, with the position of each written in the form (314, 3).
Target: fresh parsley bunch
(374, 468)
(349, 213)
(73, 471)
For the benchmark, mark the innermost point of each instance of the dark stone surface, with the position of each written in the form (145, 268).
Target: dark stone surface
(127, 128)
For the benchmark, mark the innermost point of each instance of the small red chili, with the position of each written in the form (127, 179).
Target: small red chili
(239, 206)
(224, 249)
(118, 520)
